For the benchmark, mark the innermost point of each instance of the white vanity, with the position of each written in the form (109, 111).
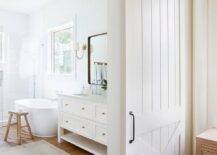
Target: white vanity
(83, 121)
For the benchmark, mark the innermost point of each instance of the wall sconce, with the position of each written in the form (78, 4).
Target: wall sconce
(79, 48)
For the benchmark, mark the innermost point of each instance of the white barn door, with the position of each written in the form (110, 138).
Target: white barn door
(153, 102)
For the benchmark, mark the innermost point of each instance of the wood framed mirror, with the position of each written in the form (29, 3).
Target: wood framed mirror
(97, 59)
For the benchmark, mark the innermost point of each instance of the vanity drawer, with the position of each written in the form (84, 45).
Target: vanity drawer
(80, 109)
(86, 128)
(101, 134)
(101, 114)
(80, 126)
(69, 122)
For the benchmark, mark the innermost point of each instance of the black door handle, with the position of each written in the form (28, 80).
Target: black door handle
(131, 141)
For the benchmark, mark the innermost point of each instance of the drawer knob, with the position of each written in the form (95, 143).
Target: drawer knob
(66, 104)
(103, 113)
(83, 108)
(67, 121)
(83, 127)
(103, 134)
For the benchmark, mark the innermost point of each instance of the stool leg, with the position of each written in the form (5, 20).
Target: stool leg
(28, 126)
(19, 129)
(8, 127)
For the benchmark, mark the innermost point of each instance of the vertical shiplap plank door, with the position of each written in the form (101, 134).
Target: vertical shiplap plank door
(171, 52)
(153, 78)
(147, 56)
(164, 54)
(156, 54)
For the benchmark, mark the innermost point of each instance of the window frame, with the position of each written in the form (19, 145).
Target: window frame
(51, 45)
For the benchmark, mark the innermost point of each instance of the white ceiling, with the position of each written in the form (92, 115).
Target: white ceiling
(23, 6)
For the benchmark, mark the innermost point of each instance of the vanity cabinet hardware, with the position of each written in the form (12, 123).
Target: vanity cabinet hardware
(133, 116)
(88, 120)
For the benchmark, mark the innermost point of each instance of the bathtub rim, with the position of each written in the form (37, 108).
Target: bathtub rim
(21, 102)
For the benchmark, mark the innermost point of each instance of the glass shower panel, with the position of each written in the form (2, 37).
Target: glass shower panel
(16, 72)
(1, 81)
(1, 100)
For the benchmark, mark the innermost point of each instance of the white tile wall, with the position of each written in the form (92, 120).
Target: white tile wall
(25, 31)
(91, 19)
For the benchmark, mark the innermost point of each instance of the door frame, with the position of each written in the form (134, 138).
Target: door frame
(116, 76)
(200, 47)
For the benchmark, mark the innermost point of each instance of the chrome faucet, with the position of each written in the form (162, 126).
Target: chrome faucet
(93, 88)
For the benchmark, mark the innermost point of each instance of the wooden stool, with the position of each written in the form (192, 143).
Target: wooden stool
(19, 126)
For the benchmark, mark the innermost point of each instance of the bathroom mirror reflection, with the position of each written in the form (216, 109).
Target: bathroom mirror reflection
(97, 60)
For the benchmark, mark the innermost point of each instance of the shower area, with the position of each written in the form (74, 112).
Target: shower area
(17, 74)
(1, 80)
(18, 65)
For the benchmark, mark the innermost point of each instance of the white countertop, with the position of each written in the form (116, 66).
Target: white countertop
(88, 97)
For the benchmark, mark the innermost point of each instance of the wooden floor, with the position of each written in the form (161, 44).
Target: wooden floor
(67, 147)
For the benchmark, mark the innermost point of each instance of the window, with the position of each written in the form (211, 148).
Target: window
(62, 55)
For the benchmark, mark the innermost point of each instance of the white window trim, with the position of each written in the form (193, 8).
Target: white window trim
(50, 69)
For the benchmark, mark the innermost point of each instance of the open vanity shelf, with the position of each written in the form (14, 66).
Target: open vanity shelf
(85, 143)
(85, 117)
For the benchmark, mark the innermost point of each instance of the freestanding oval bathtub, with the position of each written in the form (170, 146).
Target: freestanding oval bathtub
(43, 115)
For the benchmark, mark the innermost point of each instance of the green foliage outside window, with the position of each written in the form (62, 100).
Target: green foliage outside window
(63, 59)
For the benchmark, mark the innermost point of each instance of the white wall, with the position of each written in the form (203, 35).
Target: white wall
(200, 66)
(212, 63)
(206, 67)
(15, 27)
(200, 59)
(187, 72)
(91, 19)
